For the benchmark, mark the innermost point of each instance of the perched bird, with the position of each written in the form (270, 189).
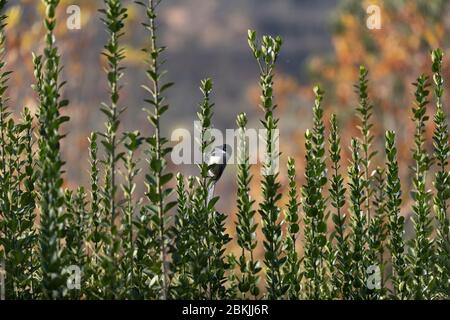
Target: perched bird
(217, 161)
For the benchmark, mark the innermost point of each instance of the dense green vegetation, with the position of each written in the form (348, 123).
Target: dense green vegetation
(172, 244)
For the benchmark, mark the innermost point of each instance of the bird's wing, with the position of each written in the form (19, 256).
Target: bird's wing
(211, 192)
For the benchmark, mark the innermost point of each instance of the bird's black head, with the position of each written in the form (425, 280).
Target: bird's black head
(218, 160)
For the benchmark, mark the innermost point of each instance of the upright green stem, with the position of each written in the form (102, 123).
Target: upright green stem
(364, 110)
(292, 276)
(441, 180)
(114, 15)
(395, 220)
(50, 164)
(131, 171)
(337, 194)
(421, 257)
(266, 55)
(246, 226)
(358, 239)
(314, 202)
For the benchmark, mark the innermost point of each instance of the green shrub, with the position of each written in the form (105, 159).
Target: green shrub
(314, 204)
(421, 253)
(341, 259)
(50, 182)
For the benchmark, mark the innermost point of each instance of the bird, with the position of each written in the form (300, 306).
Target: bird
(217, 161)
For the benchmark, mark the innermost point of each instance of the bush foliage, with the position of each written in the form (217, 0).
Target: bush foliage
(172, 243)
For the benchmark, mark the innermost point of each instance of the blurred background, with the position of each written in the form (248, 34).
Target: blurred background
(324, 42)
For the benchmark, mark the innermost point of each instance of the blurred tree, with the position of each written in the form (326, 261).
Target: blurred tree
(394, 55)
